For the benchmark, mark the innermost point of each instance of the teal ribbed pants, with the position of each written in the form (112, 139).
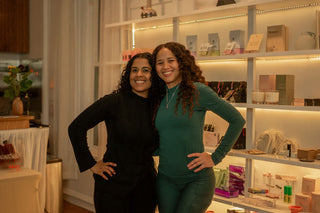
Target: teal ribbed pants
(195, 196)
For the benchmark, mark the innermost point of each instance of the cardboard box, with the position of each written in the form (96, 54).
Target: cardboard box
(211, 138)
(315, 202)
(192, 44)
(277, 38)
(285, 86)
(237, 36)
(267, 82)
(304, 201)
(310, 183)
(307, 155)
(282, 83)
(213, 39)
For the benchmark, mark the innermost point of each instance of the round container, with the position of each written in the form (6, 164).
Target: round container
(258, 97)
(271, 97)
(295, 209)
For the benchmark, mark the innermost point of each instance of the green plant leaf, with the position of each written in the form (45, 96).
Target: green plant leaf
(9, 93)
(25, 85)
(6, 79)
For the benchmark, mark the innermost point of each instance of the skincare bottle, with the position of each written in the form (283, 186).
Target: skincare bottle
(285, 197)
(289, 150)
(289, 194)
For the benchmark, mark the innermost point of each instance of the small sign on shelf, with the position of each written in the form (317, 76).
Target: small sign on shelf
(254, 43)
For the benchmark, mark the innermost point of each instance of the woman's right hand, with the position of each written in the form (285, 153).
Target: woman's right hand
(100, 167)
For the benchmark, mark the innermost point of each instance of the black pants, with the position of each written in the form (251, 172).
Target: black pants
(112, 197)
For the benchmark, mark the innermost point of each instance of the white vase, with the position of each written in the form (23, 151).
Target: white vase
(305, 41)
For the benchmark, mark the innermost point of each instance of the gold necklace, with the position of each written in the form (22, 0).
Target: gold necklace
(167, 95)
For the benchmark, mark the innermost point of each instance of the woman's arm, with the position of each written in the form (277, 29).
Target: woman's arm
(210, 100)
(77, 130)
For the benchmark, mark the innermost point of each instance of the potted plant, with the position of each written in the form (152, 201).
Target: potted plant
(18, 82)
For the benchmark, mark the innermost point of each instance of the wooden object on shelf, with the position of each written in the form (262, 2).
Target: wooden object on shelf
(307, 155)
(304, 201)
(277, 38)
(310, 183)
(15, 122)
(254, 43)
(315, 202)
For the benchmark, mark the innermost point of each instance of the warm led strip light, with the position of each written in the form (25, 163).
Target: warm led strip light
(288, 8)
(190, 22)
(297, 58)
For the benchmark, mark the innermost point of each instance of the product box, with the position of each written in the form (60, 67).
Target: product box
(203, 50)
(298, 102)
(282, 83)
(226, 193)
(192, 44)
(254, 43)
(277, 38)
(267, 82)
(312, 102)
(237, 36)
(211, 138)
(307, 155)
(241, 141)
(214, 49)
(310, 183)
(304, 201)
(285, 86)
(315, 202)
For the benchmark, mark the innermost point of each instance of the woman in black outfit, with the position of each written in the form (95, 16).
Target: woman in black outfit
(125, 178)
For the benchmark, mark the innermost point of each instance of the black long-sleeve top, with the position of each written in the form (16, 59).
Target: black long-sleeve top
(131, 137)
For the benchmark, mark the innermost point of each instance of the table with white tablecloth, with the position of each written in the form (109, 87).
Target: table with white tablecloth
(19, 191)
(31, 143)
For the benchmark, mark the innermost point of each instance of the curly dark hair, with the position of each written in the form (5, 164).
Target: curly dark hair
(191, 72)
(156, 85)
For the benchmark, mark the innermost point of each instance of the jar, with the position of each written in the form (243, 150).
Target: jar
(258, 97)
(271, 97)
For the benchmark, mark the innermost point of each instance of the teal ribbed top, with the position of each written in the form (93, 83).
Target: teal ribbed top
(181, 135)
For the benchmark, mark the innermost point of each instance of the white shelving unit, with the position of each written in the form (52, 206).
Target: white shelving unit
(122, 29)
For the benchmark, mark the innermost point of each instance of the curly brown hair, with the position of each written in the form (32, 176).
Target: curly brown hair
(156, 85)
(190, 71)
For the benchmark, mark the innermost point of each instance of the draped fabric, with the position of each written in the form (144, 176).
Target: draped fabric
(31, 144)
(70, 72)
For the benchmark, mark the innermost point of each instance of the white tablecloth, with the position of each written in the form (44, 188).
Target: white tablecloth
(19, 191)
(31, 143)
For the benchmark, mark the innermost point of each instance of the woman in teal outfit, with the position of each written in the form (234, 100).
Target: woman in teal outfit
(185, 182)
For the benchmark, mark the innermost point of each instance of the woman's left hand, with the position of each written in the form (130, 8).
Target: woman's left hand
(202, 160)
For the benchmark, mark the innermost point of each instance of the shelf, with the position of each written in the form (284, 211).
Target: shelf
(277, 159)
(280, 208)
(278, 107)
(297, 54)
(271, 158)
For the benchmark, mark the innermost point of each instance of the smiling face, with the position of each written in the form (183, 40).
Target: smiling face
(140, 77)
(168, 68)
